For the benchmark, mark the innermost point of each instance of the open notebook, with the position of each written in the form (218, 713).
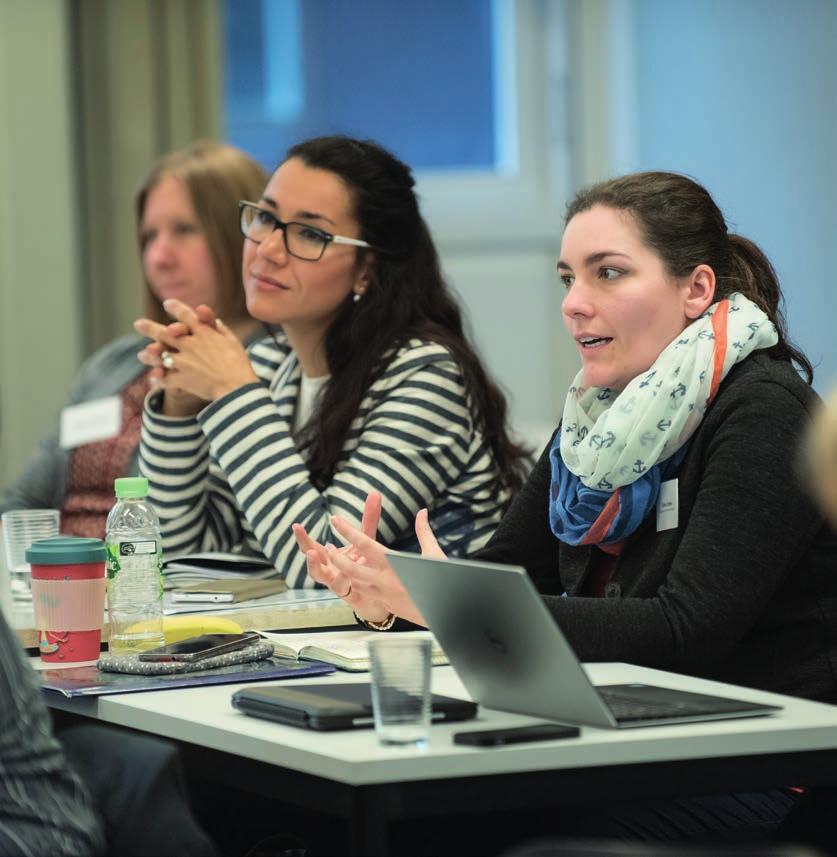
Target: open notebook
(347, 650)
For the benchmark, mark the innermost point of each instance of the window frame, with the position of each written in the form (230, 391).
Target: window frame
(520, 202)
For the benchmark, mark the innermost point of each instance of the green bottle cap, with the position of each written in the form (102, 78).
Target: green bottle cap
(131, 487)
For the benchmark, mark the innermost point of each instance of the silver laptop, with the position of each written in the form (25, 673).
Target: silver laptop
(511, 654)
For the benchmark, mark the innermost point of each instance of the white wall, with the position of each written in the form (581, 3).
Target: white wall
(40, 297)
(741, 96)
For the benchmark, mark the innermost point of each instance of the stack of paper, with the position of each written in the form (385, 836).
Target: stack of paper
(196, 567)
(290, 599)
(227, 591)
(347, 650)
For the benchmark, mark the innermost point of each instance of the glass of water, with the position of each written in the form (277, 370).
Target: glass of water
(21, 527)
(401, 698)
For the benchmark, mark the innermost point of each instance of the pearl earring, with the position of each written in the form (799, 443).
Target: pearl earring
(357, 296)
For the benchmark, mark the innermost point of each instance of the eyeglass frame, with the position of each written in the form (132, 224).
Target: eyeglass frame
(328, 237)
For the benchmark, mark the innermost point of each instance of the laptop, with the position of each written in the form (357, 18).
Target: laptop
(326, 707)
(510, 653)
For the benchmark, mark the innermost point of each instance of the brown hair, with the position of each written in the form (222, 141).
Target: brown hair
(407, 298)
(217, 176)
(679, 220)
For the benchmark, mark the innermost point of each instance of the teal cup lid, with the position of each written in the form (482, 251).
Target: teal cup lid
(65, 550)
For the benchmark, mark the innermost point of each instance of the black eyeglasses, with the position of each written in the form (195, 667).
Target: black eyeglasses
(301, 239)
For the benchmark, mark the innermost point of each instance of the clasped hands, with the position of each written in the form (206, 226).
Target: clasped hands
(196, 359)
(360, 573)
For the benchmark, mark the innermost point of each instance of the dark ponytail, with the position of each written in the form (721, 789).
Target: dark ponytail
(680, 221)
(752, 274)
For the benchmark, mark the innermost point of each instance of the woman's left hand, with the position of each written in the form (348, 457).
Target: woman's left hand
(207, 359)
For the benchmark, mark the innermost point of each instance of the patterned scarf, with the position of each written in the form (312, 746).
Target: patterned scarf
(615, 449)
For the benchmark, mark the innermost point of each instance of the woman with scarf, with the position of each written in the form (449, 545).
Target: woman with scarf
(687, 393)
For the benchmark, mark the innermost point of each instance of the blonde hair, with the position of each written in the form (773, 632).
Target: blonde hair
(217, 176)
(822, 456)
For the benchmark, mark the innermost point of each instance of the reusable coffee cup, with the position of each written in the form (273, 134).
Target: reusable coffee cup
(68, 597)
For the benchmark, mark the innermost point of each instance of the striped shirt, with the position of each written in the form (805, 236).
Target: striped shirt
(43, 807)
(232, 477)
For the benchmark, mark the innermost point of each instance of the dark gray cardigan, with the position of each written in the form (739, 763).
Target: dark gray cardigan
(744, 590)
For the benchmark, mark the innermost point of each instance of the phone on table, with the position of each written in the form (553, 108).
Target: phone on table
(199, 648)
(516, 735)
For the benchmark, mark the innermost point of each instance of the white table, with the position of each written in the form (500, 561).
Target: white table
(350, 775)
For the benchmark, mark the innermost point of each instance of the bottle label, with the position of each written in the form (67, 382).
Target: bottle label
(134, 556)
(137, 548)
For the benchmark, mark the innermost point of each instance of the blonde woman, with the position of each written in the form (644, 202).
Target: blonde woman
(190, 247)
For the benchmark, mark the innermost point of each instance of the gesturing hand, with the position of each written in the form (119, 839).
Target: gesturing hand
(320, 558)
(362, 575)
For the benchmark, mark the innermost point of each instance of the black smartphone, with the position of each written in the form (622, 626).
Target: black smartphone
(516, 735)
(200, 648)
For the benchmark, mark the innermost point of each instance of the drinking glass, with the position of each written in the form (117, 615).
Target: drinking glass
(401, 698)
(21, 527)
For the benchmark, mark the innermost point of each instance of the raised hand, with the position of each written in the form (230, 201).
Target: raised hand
(361, 574)
(320, 558)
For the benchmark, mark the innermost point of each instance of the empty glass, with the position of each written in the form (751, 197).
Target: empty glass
(401, 698)
(21, 527)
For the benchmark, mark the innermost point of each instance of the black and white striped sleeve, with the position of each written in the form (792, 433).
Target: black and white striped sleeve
(412, 439)
(197, 511)
(43, 807)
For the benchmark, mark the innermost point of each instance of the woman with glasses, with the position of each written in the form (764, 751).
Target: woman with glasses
(372, 385)
(190, 249)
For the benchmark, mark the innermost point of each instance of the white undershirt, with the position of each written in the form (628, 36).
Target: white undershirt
(308, 390)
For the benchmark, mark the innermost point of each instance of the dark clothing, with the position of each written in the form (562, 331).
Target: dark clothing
(44, 809)
(140, 791)
(744, 590)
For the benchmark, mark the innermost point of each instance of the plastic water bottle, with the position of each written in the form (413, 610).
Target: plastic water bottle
(134, 571)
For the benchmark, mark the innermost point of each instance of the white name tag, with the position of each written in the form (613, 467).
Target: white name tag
(667, 506)
(90, 421)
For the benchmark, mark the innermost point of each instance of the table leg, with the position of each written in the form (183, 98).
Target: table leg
(369, 820)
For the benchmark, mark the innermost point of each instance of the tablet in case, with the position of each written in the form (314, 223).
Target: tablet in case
(327, 707)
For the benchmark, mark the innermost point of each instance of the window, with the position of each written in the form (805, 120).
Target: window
(426, 78)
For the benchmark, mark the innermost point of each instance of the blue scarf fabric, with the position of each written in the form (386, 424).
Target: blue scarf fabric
(574, 508)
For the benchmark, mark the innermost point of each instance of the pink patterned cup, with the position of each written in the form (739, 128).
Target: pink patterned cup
(68, 597)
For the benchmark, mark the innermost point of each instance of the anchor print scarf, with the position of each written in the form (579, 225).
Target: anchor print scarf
(614, 449)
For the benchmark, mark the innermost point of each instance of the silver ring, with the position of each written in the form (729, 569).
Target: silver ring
(167, 360)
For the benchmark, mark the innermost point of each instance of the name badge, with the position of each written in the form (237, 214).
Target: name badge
(90, 421)
(667, 506)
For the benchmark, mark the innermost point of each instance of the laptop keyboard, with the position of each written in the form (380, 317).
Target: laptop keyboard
(626, 707)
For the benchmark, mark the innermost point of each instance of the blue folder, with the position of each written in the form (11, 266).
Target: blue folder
(89, 681)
